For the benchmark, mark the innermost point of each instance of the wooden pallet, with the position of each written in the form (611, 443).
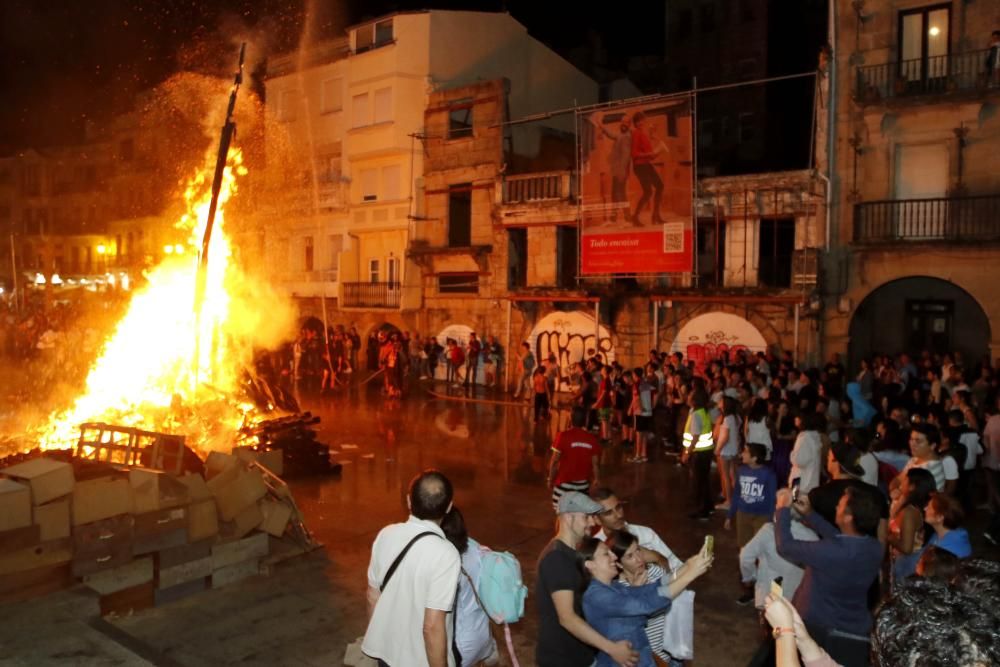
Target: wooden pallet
(123, 445)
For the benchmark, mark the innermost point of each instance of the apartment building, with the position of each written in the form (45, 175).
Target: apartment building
(914, 245)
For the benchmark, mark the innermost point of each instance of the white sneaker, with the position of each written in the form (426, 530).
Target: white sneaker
(722, 506)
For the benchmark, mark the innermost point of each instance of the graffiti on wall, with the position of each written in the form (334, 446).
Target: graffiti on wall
(568, 336)
(717, 337)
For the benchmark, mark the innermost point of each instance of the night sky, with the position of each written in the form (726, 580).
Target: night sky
(65, 61)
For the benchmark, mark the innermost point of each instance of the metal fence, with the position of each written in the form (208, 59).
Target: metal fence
(947, 218)
(926, 76)
(371, 295)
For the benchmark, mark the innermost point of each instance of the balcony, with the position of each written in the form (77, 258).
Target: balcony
(370, 295)
(938, 75)
(973, 219)
(541, 187)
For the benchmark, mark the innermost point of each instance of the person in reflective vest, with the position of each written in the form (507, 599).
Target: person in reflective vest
(699, 450)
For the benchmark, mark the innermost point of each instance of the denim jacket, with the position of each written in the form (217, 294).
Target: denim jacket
(620, 612)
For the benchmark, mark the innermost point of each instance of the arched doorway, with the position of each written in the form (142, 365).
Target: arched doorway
(919, 313)
(717, 336)
(568, 336)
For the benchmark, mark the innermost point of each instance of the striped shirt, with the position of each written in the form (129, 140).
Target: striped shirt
(656, 623)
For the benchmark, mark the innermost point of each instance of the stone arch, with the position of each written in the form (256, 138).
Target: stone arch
(913, 313)
(568, 335)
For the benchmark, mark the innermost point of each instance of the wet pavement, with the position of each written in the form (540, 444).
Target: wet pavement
(310, 607)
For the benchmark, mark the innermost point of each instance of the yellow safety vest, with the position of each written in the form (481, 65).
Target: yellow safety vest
(701, 441)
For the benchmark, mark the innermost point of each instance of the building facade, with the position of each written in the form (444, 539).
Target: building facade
(916, 147)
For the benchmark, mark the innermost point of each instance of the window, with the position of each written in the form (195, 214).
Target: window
(330, 169)
(567, 256)
(309, 255)
(373, 271)
(383, 105)
(774, 254)
(369, 185)
(924, 43)
(747, 128)
(359, 110)
(707, 18)
(517, 258)
(458, 283)
(331, 95)
(460, 119)
(460, 215)
(373, 35)
(392, 270)
(390, 182)
(286, 106)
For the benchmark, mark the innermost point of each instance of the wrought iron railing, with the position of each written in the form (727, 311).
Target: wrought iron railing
(946, 218)
(955, 72)
(545, 186)
(370, 295)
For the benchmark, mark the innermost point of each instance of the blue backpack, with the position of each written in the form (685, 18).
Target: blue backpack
(500, 587)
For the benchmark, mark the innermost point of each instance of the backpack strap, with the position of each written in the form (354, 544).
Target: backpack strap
(399, 558)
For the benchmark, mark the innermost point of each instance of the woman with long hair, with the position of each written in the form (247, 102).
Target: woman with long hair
(906, 522)
(728, 442)
(621, 612)
(758, 426)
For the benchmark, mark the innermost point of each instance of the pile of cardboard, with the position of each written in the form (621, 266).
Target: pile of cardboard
(140, 537)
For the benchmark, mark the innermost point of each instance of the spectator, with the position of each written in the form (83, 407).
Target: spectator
(843, 464)
(806, 456)
(472, 353)
(575, 462)
(758, 426)
(728, 436)
(612, 520)
(526, 361)
(760, 564)
(907, 524)
(699, 450)
(473, 640)
(924, 440)
(564, 638)
(754, 497)
(839, 568)
(407, 621)
(543, 396)
(944, 515)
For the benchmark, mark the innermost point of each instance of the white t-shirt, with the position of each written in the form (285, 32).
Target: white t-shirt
(648, 539)
(973, 449)
(427, 578)
(759, 432)
(732, 447)
(943, 470)
(805, 459)
(869, 464)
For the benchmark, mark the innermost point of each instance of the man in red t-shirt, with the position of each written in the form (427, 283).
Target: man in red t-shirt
(575, 463)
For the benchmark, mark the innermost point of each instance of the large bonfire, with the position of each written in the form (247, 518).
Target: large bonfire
(147, 374)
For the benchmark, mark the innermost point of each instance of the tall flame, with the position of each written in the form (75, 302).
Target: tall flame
(146, 372)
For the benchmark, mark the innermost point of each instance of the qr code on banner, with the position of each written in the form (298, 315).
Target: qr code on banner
(673, 237)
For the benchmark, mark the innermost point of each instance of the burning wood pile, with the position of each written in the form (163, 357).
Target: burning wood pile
(136, 525)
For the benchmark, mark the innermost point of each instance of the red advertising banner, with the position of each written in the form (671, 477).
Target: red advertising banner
(635, 187)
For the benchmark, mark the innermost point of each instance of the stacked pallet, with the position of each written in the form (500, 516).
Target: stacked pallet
(139, 537)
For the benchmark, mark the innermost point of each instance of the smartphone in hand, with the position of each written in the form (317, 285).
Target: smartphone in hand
(709, 545)
(776, 589)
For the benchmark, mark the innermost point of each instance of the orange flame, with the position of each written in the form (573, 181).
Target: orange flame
(146, 372)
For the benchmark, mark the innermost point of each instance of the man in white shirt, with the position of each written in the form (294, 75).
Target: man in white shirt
(408, 618)
(612, 519)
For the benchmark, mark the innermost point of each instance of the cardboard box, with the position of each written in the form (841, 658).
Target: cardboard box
(46, 554)
(19, 538)
(139, 571)
(100, 498)
(242, 523)
(276, 517)
(273, 460)
(53, 519)
(236, 491)
(15, 505)
(154, 490)
(248, 548)
(230, 574)
(196, 486)
(47, 478)
(203, 520)
(218, 462)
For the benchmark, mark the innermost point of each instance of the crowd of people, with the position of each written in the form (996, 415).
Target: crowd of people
(850, 495)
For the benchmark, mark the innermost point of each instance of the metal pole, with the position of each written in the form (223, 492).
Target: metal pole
(656, 326)
(597, 327)
(509, 352)
(795, 352)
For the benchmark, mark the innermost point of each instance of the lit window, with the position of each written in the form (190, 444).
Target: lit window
(383, 105)
(369, 185)
(373, 271)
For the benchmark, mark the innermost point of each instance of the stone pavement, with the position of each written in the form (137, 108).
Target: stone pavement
(310, 607)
